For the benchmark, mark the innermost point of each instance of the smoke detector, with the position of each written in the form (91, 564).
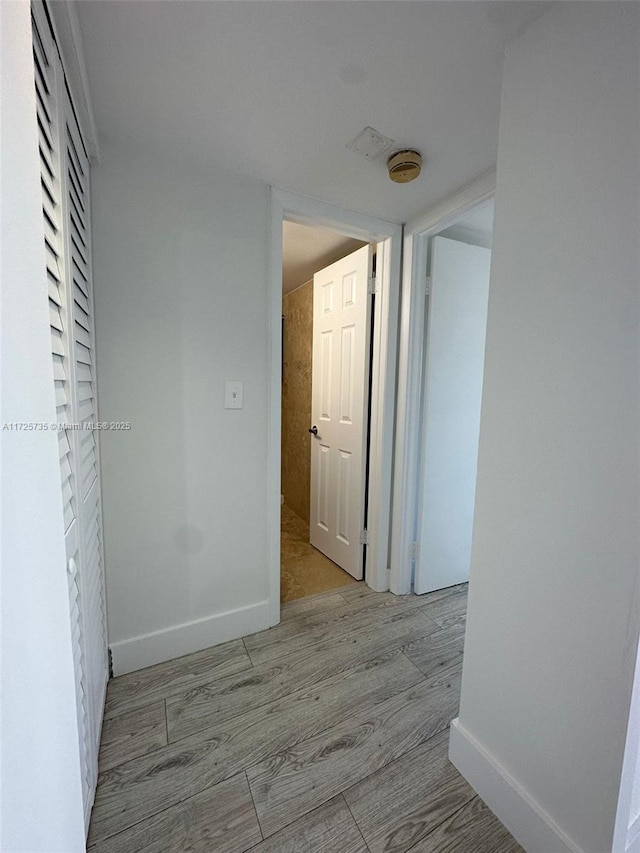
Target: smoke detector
(404, 166)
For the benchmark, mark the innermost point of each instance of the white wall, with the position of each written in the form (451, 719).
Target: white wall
(552, 626)
(180, 270)
(41, 797)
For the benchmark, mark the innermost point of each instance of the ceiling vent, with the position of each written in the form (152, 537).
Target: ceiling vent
(370, 144)
(404, 166)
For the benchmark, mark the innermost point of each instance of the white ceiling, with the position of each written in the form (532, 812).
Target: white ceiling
(307, 250)
(276, 89)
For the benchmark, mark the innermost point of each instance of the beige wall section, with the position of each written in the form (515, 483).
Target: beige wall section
(297, 308)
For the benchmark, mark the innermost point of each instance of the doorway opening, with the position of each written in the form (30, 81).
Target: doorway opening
(459, 262)
(442, 362)
(325, 368)
(381, 300)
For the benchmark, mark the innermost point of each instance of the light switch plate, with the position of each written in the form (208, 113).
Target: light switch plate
(233, 394)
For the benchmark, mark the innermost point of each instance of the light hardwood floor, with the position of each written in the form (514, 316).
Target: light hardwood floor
(326, 733)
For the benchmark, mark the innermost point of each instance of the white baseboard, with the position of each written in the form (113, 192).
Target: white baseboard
(178, 640)
(525, 819)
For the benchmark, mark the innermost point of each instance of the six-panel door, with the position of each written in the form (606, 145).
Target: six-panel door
(339, 397)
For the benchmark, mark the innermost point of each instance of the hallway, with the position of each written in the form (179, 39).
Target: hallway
(328, 732)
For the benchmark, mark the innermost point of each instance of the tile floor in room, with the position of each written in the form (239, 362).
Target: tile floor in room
(326, 733)
(303, 569)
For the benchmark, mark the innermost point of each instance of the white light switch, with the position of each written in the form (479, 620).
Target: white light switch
(233, 394)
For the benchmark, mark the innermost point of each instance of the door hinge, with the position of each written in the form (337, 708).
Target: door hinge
(413, 550)
(110, 659)
(371, 287)
(364, 537)
(427, 286)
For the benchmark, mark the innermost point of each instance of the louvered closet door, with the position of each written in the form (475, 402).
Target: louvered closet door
(85, 409)
(65, 202)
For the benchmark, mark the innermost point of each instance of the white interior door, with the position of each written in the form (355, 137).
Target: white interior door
(457, 321)
(340, 380)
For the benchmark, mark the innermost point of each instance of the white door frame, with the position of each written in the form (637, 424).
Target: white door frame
(410, 367)
(307, 211)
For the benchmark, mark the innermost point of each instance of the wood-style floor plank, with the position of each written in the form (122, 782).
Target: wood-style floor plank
(220, 819)
(302, 623)
(211, 704)
(311, 604)
(328, 829)
(144, 786)
(295, 780)
(304, 632)
(472, 829)
(131, 734)
(145, 686)
(447, 611)
(400, 804)
(439, 650)
(358, 594)
(348, 700)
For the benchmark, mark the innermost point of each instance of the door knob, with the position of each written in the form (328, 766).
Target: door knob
(314, 430)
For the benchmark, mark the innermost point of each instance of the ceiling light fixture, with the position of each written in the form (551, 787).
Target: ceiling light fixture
(404, 166)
